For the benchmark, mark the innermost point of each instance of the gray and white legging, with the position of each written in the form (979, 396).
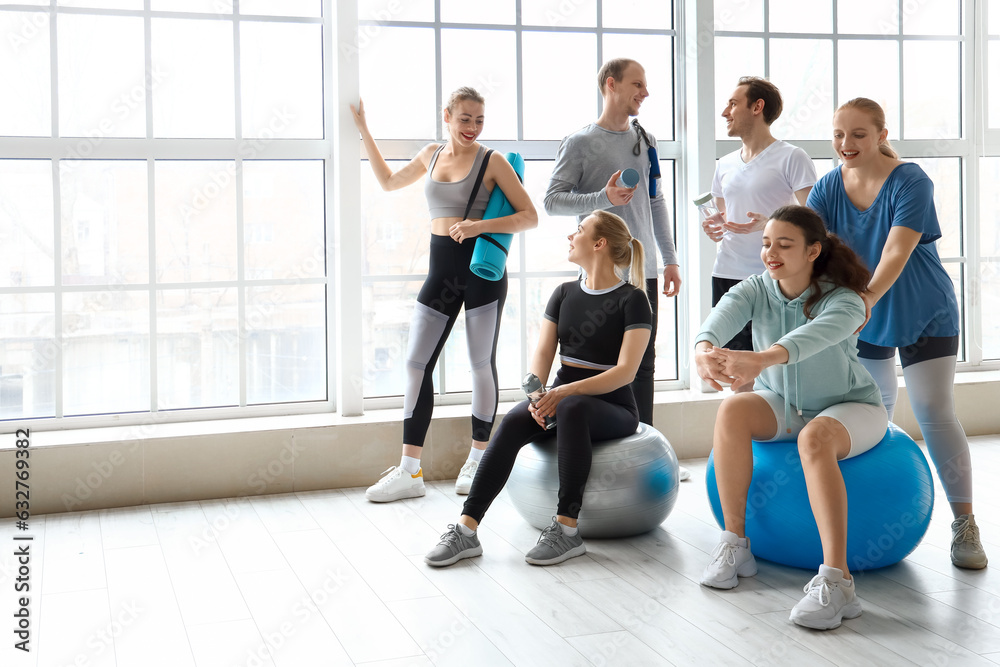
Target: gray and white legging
(929, 370)
(450, 284)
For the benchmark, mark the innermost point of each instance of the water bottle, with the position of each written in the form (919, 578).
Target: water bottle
(628, 179)
(534, 390)
(707, 210)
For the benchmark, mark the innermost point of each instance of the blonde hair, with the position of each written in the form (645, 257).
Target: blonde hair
(874, 111)
(461, 95)
(626, 252)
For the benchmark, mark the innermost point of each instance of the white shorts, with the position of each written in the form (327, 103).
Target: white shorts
(865, 423)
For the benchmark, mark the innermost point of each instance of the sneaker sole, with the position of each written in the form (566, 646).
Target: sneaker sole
(969, 565)
(724, 585)
(463, 490)
(847, 612)
(412, 493)
(732, 583)
(572, 553)
(468, 553)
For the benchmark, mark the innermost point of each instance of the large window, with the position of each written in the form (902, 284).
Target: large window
(162, 217)
(167, 176)
(538, 73)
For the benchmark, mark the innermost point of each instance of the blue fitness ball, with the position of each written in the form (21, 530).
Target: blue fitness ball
(890, 495)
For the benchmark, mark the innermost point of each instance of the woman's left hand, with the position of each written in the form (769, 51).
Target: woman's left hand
(464, 229)
(740, 365)
(869, 300)
(546, 405)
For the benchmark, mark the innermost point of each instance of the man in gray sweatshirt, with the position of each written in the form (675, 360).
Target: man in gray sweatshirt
(588, 166)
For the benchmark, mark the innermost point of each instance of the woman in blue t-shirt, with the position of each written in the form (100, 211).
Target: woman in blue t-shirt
(884, 209)
(601, 325)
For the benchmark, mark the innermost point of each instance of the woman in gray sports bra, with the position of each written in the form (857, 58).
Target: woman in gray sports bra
(452, 170)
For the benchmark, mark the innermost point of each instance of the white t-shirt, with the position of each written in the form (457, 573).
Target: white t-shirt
(763, 185)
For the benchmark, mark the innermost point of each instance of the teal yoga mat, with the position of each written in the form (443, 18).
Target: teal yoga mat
(490, 254)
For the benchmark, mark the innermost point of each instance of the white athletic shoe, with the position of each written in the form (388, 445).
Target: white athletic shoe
(465, 477)
(729, 562)
(683, 473)
(966, 547)
(396, 484)
(829, 598)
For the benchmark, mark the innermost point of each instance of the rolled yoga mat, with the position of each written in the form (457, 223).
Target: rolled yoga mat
(490, 254)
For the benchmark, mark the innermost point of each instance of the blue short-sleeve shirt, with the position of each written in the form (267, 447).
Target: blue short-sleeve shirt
(922, 300)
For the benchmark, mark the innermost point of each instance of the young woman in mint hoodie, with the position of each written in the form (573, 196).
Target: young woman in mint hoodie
(808, 384)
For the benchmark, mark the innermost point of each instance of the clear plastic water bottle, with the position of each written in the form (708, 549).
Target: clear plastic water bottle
(534, 390)
(708, 212)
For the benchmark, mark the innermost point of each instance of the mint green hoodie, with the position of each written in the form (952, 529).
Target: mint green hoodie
(823, 367)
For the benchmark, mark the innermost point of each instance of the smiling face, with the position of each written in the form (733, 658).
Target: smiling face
(582, 242)
(856, 138)
(629, 93)
(739, 116)
(465, 122)
(786, 255)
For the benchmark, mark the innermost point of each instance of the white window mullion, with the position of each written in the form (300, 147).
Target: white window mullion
(343, 181)
(697, 82)
(147, 26)
(241, 290)
(56, 215)
(973, 120)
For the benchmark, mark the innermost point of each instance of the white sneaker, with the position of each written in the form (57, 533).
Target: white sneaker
(683, 473)
(729, 562)
(465, 477)
(829, 598)
(966, 547)
(395, 484)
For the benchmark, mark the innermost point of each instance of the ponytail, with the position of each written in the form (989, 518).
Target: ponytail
(627, 252)
(885, 148)
(637, 266)
(837, 264)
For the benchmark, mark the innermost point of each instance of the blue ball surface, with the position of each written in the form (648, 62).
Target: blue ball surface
(890, 496)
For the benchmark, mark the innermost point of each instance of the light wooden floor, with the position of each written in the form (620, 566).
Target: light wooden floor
(326, 578)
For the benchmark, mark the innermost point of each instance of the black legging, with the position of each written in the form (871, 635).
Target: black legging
(642, 385)
(579, 421)
(449, 285)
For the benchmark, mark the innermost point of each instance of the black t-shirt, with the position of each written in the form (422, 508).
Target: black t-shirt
(591, 324)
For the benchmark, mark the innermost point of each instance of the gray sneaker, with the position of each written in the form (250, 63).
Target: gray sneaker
(453, 547)
(555, 546)
(966, 549)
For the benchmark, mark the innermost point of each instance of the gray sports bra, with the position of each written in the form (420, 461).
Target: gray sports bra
(448, 200)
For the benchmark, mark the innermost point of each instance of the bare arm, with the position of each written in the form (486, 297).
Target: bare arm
(545, 351)
(623, 372)
(524, 217)
(387, 178)
(802, 195)
(899, 245)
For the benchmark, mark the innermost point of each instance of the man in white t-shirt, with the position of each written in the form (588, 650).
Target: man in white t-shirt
(749, 184)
